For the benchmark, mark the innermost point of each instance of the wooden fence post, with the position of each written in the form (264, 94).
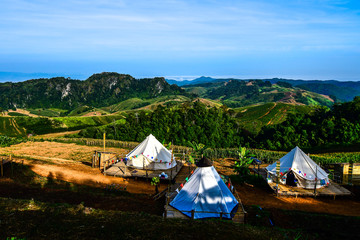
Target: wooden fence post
(99, 160)
(12, 168)
(192, 214)
(277, 177)
(2, 167)
(221, 215)
(315, 181)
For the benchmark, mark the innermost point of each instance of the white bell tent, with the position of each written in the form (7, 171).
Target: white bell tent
(298, 169)
(206, 194)
(150, 154)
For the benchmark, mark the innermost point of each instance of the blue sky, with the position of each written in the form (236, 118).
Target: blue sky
(308, 39)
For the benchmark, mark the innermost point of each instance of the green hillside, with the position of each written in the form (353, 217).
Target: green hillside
(136, 103)
(21, 126)
(50, 112)
(254, 117)
(338, 90)
(10, 127)
(236, 93)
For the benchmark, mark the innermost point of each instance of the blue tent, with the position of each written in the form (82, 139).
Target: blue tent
(205, 192)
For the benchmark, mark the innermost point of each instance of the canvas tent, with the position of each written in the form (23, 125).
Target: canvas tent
(298, 169)
(150, 154)
(205, 192)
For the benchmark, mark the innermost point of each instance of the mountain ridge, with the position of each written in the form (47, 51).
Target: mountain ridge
(98, 90)
(340, 90)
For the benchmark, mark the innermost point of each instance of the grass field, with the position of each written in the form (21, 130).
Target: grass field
(16, 114)
(20, 126)
(137, 103)
(82, 122)
(51, 112)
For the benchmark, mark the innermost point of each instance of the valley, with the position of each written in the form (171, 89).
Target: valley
(51, 139)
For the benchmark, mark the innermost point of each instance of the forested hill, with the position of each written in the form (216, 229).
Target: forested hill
(218, 128)
(339, 90)
(236, 93)
(98, 90)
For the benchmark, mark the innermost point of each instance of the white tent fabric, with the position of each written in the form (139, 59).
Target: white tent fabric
(150, 154)
(205, 192)
(304, 168)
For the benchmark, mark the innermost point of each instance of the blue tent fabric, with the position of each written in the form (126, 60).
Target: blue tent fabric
(205, 192)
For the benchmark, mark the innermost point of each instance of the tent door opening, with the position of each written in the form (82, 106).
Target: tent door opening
(290, 179)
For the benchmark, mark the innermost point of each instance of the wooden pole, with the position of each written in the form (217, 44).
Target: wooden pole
(171, 159)
(104, 140)
(165, 213)
(99, 159)
(2, 167)
(277, 177)
(12, 169)
(315, 181)
(350, 172)
(192, 214)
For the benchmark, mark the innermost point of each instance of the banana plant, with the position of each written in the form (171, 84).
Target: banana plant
(241, 166)
(155, 181)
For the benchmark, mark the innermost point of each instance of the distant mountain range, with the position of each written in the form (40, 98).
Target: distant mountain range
(338, 90)
(239, 93)
(19, 76)
(99, 90)
(110, 90)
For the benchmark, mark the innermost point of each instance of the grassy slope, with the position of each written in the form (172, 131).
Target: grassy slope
(35, 220)
(9, 127)
(268, 94)
(136, 103)
(20, 126)
(82, 122)
(256, 116)
(51, 112)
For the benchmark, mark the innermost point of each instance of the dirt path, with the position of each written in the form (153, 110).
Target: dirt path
(22, 111)
(268, 111)
(13, 123)
(83, 174)
(56, 135)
